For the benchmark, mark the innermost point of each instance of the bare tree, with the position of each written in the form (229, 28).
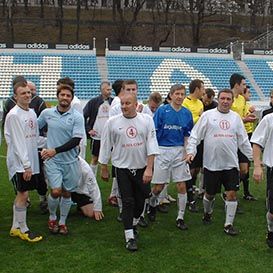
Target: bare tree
(163, 21)
(255, 7)
(200, 10)
(126, 17)
(78, 19)
(59, 19)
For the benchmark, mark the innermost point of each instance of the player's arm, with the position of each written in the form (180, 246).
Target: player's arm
(15, 136)
(105, 151)
(258, 169)
(148, 173)
(72, 143)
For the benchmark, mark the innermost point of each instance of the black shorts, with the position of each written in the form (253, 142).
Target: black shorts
(113, 171)
(198, 159)
(242, 158)
(22, 185)
(213, 180)
(80, 199)
(95, 147)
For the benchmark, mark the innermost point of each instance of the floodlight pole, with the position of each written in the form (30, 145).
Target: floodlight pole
(267, 36)
(106, 46)
(243, 51)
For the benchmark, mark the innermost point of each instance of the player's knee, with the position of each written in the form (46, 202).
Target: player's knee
(181, 187)
(231, 196)
(56, 193)
(157, 189)
(209, 197)
(88, 213)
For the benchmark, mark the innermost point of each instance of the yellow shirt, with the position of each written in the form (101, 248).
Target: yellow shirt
(249, 126)
(238, 105)
(195, 106)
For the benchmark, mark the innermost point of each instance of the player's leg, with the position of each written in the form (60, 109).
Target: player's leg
(127, 197)
(269, 214)
(231, 184)
(19, 226)
(212, 181)
(95, 156)
(83, 203)
(71, 174)
(54, 176)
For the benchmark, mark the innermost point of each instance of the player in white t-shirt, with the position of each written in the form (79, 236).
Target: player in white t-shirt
(223, 133)
(96, 113)
(129, 140)
(262, 139)
(22, 136)
(87, 195)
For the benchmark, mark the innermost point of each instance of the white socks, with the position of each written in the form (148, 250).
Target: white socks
(181, 202)
(231, 207)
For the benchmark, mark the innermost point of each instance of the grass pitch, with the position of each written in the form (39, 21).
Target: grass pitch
(99, 246)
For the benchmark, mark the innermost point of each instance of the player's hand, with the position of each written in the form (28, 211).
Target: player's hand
(92, 133)
(48, 153)
(189, 158)
(139, 107)
(258, 174)
(250, 118)
(104, 173)
(98, 215)
(27, 174)
(147, 176)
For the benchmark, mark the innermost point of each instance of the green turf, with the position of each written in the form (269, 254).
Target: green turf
(99, 246)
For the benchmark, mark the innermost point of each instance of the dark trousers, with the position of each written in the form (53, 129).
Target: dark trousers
(41, 186)
(133, 194)
(269, 189)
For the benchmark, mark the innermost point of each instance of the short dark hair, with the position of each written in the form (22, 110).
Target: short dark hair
(176, 87)
(156, 97)
(195, 84)
(132, 81)
(103, 83)
(117, 85)
(226, 90)
(19, 84)
(235, 78)
(66, 87)
(210, 92)
(66, 81)
(18, 79)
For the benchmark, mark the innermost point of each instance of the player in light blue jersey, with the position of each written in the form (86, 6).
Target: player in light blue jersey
(173, 124)
(65, 130)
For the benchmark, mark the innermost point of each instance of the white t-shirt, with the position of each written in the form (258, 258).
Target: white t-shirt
(102, 117)
(263, 136)
(115, 108)
(88, 185)
(223, 134)
(128, 141)
(147, 110)
(22, 137)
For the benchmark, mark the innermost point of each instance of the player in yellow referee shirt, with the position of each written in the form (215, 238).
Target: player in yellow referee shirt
(193, 103)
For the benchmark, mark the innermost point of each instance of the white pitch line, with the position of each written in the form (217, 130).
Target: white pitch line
(3, 156)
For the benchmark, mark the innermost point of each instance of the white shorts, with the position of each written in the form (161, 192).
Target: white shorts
(169, 165)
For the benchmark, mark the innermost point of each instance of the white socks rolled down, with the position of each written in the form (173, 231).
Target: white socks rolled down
(181, 203)
(129, 234)
(231, 207)
(269, 220)
(208, 205)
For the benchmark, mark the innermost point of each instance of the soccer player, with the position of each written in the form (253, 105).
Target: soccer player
(270, 110)
(193, 103)
(173, 124)
(249, 126)
(65, 130)
(223, 133)
(76, 104)
(130, 140)
(87, 194)
(238, 85)
(154, 101)
(21, 133)
(262, 140)
(208, 99)
(96, 113)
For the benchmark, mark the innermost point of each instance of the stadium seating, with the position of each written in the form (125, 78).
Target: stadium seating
(46, 68)
(158, 73)
(262, 71)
